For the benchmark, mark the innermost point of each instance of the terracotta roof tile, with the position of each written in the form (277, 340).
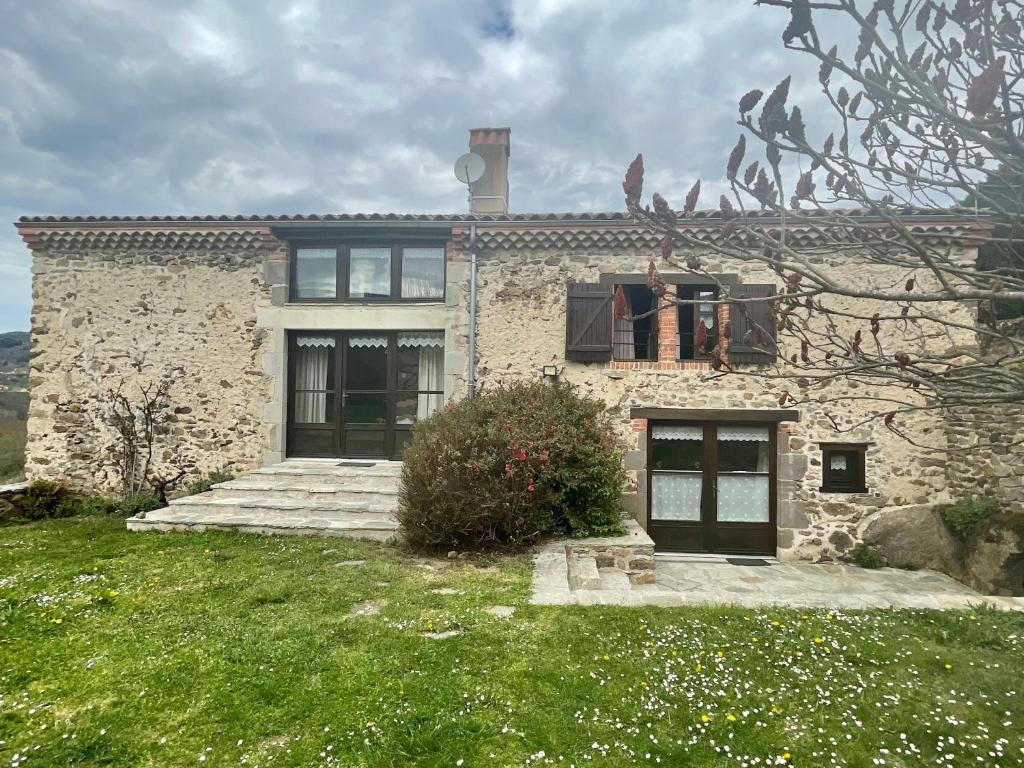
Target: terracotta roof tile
(453, 218)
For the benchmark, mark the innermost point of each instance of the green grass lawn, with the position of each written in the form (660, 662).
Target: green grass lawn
(121, 649)
(12, 449)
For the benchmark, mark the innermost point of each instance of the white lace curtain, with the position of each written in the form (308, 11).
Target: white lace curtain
(668, 432)
(676, 496)
(431, 369)
(758, 434)
(367, 341)
(311, 369)
(743, 498)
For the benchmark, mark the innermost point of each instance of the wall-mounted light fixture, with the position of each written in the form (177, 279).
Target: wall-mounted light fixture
(550, 371)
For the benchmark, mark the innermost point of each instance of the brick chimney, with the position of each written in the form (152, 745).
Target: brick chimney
(490, 193)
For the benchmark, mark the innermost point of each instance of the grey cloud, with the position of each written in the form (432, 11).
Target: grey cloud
(211, 106)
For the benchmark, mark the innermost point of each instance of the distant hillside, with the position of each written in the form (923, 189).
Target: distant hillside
(13, 360)
(13, 406)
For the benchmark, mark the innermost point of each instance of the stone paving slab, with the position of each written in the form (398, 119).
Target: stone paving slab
(795, 585)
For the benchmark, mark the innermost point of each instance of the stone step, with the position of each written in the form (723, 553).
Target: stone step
(583, 573)
(296, 490)
(613, 578)
(328, 471)
(178, 518)
(282, 506)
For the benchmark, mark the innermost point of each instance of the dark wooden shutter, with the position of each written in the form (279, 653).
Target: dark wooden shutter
(743, 349)
(588, 322)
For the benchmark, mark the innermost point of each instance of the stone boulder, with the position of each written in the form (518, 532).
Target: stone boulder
(913, 537)
(994, 556)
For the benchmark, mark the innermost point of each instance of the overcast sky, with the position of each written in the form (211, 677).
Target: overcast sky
(317, 106)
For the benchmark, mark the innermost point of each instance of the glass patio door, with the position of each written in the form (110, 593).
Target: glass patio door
(712, 487)
(358, 394)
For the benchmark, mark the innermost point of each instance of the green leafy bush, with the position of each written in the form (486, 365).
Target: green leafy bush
(205, 482)
(509, 466)
(865, 556)
(963, 517)
(144, 501)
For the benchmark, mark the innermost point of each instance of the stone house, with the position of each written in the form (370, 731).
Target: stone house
(329, 336)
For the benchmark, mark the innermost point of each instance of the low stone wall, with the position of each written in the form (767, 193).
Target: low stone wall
(633, 553)
(9, 494)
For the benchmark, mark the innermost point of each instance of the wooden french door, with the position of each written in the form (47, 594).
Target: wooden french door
(358, 394)
(712, 486)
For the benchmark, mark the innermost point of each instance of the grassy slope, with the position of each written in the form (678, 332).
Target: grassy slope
(122, 649)
(12, 449)
(14, 357)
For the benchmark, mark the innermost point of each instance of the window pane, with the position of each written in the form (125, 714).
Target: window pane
(408, 368)
(405, 408)
(314, 370)
(316, 273)
(423, 273)
(743, 449)
(843, 469)
(678, 454)
(637, 338)
(676, 497)
(369, 273)
(314, 407)
(366, 364)
(742, 499)
(365, 409)
(421, 361)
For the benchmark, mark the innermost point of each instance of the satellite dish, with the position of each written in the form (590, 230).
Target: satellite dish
(469, 168)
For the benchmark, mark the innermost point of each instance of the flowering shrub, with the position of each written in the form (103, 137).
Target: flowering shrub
(509, 466)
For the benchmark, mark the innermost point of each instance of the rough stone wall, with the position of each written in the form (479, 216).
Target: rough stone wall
(521, 328)
(987, 455)
(104, 318)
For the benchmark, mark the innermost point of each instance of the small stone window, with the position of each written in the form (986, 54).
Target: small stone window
(842, 468)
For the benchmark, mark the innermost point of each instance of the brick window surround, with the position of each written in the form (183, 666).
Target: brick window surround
(668, 325)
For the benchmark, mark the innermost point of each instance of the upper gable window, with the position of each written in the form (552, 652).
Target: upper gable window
(368, 273)
(316, 273)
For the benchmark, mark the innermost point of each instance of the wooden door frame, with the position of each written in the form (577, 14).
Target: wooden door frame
(292, 348)
(708, 524)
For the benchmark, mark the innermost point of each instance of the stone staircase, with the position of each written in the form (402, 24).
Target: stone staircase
(301, 497)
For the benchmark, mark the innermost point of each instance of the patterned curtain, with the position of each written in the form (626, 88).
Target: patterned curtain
(668, 432)
(742, 498)
(676, 496)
